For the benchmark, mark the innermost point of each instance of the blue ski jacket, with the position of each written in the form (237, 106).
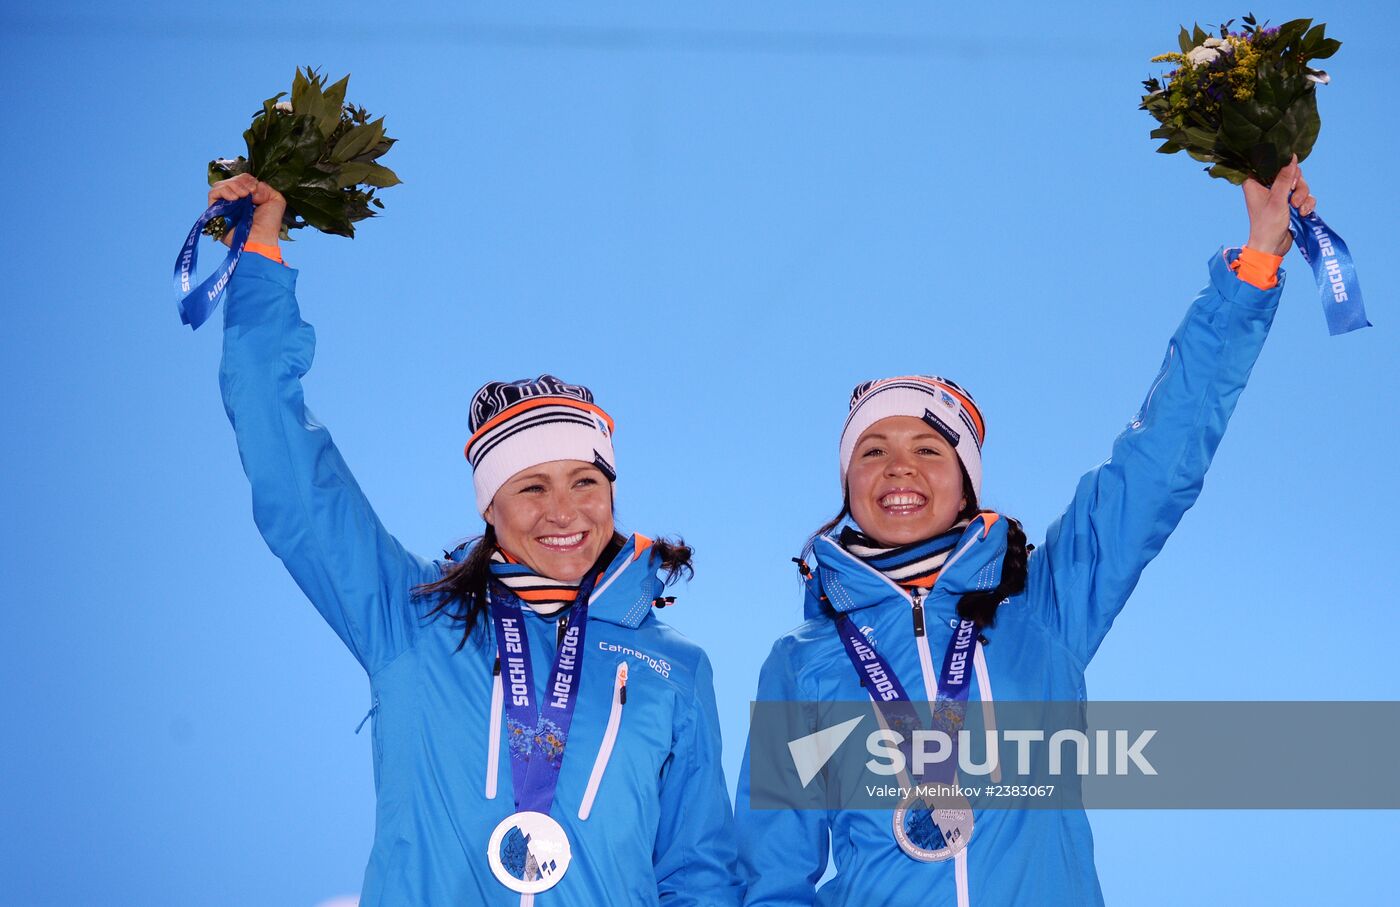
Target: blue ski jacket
(1077, 582)
(641, 793)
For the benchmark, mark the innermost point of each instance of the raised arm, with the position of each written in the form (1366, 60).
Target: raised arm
(305, 501)
(1123, 511)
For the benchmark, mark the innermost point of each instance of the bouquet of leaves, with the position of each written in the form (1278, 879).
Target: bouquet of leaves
(1243, 101)
(318, 151)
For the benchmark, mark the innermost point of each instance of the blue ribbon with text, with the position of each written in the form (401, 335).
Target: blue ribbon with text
(197, 304)
(1333, 269)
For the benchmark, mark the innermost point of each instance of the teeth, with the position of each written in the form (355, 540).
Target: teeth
(561, 541)
(902, 499)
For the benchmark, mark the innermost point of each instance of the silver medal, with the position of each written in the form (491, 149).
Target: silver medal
(528, 852)
(933, 829)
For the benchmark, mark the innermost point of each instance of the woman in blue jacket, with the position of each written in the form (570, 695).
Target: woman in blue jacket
(911, 578)
(537, 731)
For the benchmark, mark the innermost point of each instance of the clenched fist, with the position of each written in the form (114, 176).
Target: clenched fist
(1268, 208)
(268, 206)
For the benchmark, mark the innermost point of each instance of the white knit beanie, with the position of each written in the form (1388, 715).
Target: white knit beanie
(945, 407)
(519, 424)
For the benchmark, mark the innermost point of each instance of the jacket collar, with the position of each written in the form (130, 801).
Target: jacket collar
(849, 584)
(629, 585)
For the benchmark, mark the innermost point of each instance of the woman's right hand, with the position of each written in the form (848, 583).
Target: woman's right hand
(268, 206)
(1268, 208)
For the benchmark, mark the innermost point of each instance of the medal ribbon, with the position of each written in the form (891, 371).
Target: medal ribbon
(950, 699)
(196, 305)
(1333, 269)
(537, 734)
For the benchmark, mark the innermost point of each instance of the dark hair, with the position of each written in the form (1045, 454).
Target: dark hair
(978, 607)
(461, 592)
(981, 607)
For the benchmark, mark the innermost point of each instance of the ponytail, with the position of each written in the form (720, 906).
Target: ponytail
(676, 558)
(981, 607)
(461, 592)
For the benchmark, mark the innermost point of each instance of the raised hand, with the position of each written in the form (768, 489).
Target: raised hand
(268, 206)
(1268, 208)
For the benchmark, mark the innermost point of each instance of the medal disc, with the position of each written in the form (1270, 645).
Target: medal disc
(932, 830)
(528, 852)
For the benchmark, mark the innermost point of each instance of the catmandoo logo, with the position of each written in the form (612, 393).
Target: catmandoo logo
(659, 665)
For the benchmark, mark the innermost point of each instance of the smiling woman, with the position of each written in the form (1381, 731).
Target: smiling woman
(511, 652)
(911, 569)
(549, 524)
(912, 483)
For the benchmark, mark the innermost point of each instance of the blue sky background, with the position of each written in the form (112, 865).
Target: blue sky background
(720, 218)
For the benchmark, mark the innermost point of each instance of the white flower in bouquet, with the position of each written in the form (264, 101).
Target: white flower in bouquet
(1210, 51)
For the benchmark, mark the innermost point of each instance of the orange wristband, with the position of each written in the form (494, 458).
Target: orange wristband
(266, 251)
(1257, 268)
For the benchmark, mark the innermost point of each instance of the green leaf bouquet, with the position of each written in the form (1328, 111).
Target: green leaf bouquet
(321, 153)
(1244, 101)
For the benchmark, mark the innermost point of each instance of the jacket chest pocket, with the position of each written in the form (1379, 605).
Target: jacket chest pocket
(609, 744)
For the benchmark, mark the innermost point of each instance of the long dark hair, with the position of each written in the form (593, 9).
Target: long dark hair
(461, 592)
(978, 607)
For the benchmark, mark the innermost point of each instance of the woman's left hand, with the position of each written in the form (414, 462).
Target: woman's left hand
(1268, 208)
